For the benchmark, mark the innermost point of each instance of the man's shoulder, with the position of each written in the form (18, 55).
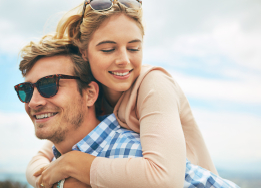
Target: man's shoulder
(122, 142)
(121, 134)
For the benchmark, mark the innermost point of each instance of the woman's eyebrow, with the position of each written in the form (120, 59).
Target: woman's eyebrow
(112, 42)
(105, 42)
(136, 40)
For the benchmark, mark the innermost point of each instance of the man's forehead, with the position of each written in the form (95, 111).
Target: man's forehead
(46, 66)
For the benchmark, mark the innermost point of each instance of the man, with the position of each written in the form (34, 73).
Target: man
(61, 97)
(62, 102)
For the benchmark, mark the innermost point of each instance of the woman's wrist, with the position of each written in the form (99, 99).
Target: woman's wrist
(78, 165)
(68, 165)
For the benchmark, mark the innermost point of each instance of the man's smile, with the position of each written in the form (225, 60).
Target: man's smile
(43, 116)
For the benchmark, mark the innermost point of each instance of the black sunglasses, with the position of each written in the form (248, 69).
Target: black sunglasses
(47, 86)
(102, 5)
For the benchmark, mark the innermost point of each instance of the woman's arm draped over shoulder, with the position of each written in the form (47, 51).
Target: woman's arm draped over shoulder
(42, 158)
(156, 107)
(162, 139)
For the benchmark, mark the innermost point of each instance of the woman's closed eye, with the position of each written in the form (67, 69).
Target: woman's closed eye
(108, 50)
(134, 49)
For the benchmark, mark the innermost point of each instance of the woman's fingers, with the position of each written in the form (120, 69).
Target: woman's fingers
(40, 181)
(46, 179)
(40, 171)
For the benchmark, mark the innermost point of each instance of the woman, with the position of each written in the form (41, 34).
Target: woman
(144, 98)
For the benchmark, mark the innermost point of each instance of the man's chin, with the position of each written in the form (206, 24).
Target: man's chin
(42, 133)
(41, 136)
(55, 138)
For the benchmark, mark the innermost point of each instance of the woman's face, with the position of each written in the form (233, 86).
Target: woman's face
(115, 53)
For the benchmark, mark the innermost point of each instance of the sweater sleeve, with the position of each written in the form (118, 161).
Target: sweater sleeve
(41, 159)
(162, 140)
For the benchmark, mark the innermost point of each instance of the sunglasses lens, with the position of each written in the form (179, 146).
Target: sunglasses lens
(47, 87)
(131, 3)
(101, 4)
(25, 92)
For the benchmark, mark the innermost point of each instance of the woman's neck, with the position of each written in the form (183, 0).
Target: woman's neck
(112, 96)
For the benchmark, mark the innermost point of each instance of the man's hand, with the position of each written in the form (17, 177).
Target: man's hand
(73, 183)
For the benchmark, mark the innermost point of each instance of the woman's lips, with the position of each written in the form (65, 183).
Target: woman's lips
(121, 74)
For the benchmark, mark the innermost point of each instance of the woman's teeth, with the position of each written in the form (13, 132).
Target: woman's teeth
(120, 73)
(47, 115)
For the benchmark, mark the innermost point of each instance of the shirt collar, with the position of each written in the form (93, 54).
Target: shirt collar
(97, 139)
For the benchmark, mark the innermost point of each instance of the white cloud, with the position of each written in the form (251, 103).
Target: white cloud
(27, 21)
(17, 142)
(232, 138)
(224, 40)
(242, 92)
(11, 41)
(244, 48)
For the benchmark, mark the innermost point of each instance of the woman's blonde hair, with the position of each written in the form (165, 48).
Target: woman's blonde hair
(79, 29)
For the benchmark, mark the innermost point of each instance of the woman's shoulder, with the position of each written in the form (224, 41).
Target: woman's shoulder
(150, 69)
(154, 75)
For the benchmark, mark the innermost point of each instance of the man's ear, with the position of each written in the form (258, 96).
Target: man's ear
(92, 93)
(84, 54)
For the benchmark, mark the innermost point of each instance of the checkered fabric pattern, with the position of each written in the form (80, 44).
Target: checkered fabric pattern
(110, 140)
(198, 177)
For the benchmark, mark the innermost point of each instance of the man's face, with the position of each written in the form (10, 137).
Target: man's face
(54, 118)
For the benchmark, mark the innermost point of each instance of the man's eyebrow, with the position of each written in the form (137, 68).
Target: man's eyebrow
(105, 42)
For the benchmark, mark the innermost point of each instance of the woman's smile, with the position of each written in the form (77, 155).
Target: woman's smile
(121, 74)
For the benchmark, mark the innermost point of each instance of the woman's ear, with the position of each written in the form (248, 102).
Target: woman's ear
(84, 54)
(92, 93)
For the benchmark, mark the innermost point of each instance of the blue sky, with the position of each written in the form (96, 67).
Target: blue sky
(212, 48)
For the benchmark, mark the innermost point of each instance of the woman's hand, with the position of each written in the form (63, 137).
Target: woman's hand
(74, 164)
(51, 173)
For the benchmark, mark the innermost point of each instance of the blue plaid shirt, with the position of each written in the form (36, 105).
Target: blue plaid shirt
(110, 140)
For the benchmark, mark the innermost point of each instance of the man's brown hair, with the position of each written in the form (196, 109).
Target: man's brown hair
(49, 47)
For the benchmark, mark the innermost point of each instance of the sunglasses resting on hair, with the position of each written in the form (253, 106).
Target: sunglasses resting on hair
(101, 5)
(47, 86)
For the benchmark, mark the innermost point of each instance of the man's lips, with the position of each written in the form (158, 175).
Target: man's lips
(44, 115)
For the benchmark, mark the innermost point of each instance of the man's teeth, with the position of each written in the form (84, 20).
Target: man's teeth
(42, 116)
(120, 73)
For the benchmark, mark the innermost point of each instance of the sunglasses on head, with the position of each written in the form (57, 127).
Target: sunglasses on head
(47, 86)
(101, 5)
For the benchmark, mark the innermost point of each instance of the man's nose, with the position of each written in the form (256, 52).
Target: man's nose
(37, 100)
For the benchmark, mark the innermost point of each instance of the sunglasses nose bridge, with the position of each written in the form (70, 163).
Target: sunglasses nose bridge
(34, 85)
(36, 98)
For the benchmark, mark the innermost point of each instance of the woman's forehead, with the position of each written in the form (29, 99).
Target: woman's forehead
(117, 27)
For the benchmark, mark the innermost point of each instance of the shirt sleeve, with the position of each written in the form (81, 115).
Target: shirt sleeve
(41, 159)
(163, 144)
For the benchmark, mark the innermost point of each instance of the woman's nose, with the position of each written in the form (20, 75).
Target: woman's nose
(123, 58)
